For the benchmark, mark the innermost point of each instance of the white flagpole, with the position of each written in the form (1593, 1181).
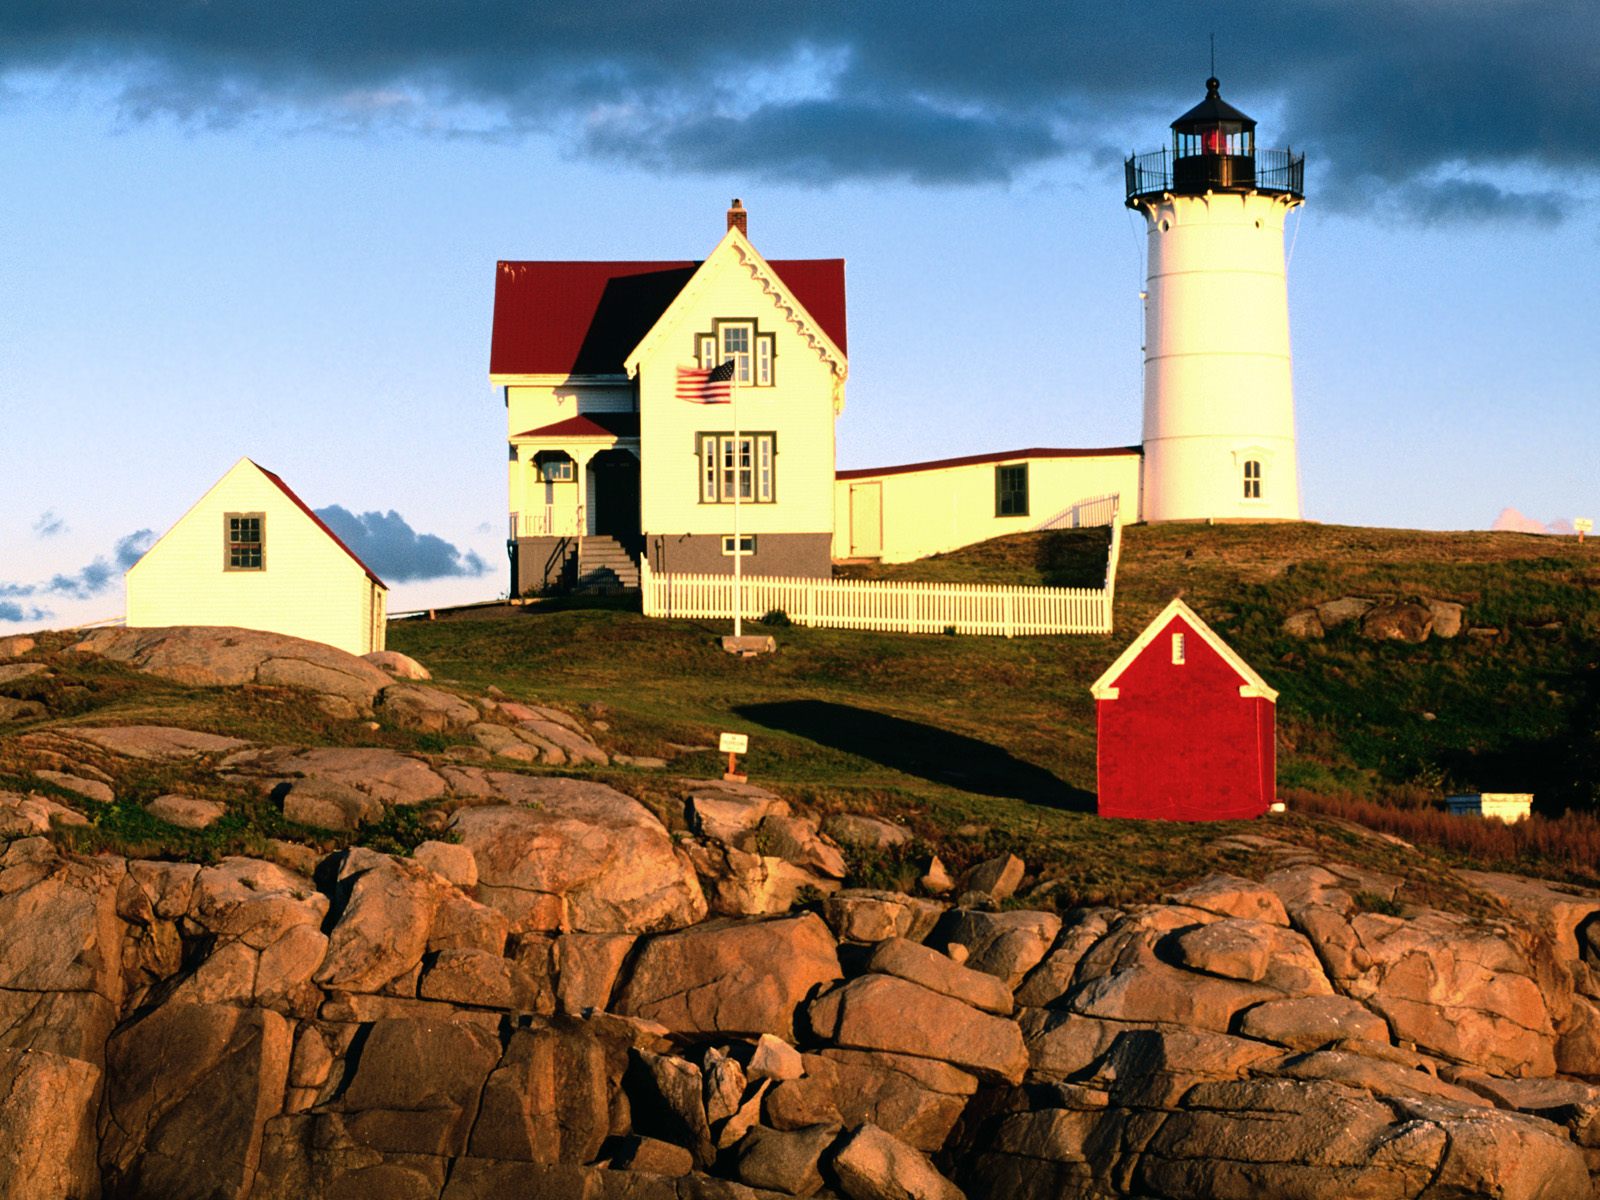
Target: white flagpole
(738, 490)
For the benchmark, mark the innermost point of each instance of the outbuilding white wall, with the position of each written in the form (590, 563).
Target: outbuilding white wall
(309, 587)
(939, 508)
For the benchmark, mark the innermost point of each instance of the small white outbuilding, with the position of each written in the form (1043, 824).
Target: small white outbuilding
(1509, 807)
(252, 554)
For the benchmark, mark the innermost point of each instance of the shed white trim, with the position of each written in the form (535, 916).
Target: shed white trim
(1105, 688)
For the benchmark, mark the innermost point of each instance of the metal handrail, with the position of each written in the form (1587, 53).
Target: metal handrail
(1279, 171)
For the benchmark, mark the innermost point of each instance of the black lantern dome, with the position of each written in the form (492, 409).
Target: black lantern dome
(1213, 150)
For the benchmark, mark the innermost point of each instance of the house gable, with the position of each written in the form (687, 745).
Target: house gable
(735, 254)
(1250, 683)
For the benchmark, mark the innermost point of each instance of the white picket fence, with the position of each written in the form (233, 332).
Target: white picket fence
(890, 606)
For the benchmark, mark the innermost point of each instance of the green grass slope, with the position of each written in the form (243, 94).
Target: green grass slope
(996, 733)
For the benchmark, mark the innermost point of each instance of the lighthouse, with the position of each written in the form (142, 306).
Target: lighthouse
(1218, 395)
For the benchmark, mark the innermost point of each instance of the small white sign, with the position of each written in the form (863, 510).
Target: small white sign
(735, 743)
(1583, 524)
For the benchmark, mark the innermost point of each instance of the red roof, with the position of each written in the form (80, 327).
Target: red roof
(305, 508)
(612, 425)
(583, 318)
(973, 459)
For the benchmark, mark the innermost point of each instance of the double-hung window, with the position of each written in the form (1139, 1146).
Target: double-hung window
(745, 466)
(751, 350)
(1011, 490)
(244, 542)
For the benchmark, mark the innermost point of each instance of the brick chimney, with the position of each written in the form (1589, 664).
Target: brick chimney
(738, 218)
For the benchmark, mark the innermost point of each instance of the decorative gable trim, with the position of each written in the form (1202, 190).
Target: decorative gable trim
(1105, 687)
(735, 245)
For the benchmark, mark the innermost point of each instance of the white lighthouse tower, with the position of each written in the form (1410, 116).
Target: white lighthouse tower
(1218, 394)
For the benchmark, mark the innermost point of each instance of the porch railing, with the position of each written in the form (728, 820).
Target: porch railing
(547, 521)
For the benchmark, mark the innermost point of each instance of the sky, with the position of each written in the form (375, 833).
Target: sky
(236, 229)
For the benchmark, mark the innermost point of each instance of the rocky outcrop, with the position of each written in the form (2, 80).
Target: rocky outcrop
(1410, 619)
(570, 855)
(214, 656)
(544, 1008)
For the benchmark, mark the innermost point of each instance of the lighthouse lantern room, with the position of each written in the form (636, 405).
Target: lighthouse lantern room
(1219, 440)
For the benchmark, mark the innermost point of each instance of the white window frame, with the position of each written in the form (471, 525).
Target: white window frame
(764, 353)
(1178, 650)
(743, 360)
(556, 470)
(755, 470)
(747, 545)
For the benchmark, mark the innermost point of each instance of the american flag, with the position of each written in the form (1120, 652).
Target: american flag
(706, 385)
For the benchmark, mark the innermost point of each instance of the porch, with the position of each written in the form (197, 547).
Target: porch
(575, 521)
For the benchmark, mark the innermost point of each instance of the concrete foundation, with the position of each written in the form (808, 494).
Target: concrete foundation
(806, 555)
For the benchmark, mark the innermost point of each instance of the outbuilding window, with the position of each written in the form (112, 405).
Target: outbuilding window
(1177, 649)
(1011, 491)
(244, 545)
(747, 545)
(1252, 479)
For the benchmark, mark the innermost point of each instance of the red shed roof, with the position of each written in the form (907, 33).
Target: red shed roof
(583, 318)
(1105, 688)
(306, 508)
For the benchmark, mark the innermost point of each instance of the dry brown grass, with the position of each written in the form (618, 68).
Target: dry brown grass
(1568, 846)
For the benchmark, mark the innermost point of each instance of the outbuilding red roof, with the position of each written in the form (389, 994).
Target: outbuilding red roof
(974, 459)
(322, 525)
(583, 318)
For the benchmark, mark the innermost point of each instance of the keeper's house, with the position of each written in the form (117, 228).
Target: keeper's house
(1186, 727)
(252, 554)
(606, 462)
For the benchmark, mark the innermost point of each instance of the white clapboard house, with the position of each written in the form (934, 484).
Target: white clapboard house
(607, 462)
(252, 554)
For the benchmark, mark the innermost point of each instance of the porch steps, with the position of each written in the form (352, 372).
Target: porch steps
(604, 566)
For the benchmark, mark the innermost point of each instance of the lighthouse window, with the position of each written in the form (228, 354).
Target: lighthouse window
(1252, 479)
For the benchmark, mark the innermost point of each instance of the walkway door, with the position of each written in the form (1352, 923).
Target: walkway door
(866, 520)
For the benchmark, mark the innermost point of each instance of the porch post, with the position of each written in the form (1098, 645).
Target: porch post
(584, 455)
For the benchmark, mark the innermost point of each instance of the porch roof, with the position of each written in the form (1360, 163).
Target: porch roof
(593, 425)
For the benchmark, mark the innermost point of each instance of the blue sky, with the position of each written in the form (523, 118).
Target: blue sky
(228, 233)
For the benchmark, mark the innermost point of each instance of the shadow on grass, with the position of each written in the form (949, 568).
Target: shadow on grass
(934, 754)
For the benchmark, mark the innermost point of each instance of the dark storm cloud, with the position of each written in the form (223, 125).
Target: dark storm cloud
(395, 551)
(1395, 101)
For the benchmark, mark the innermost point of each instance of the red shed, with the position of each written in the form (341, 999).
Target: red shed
(1186, 728)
